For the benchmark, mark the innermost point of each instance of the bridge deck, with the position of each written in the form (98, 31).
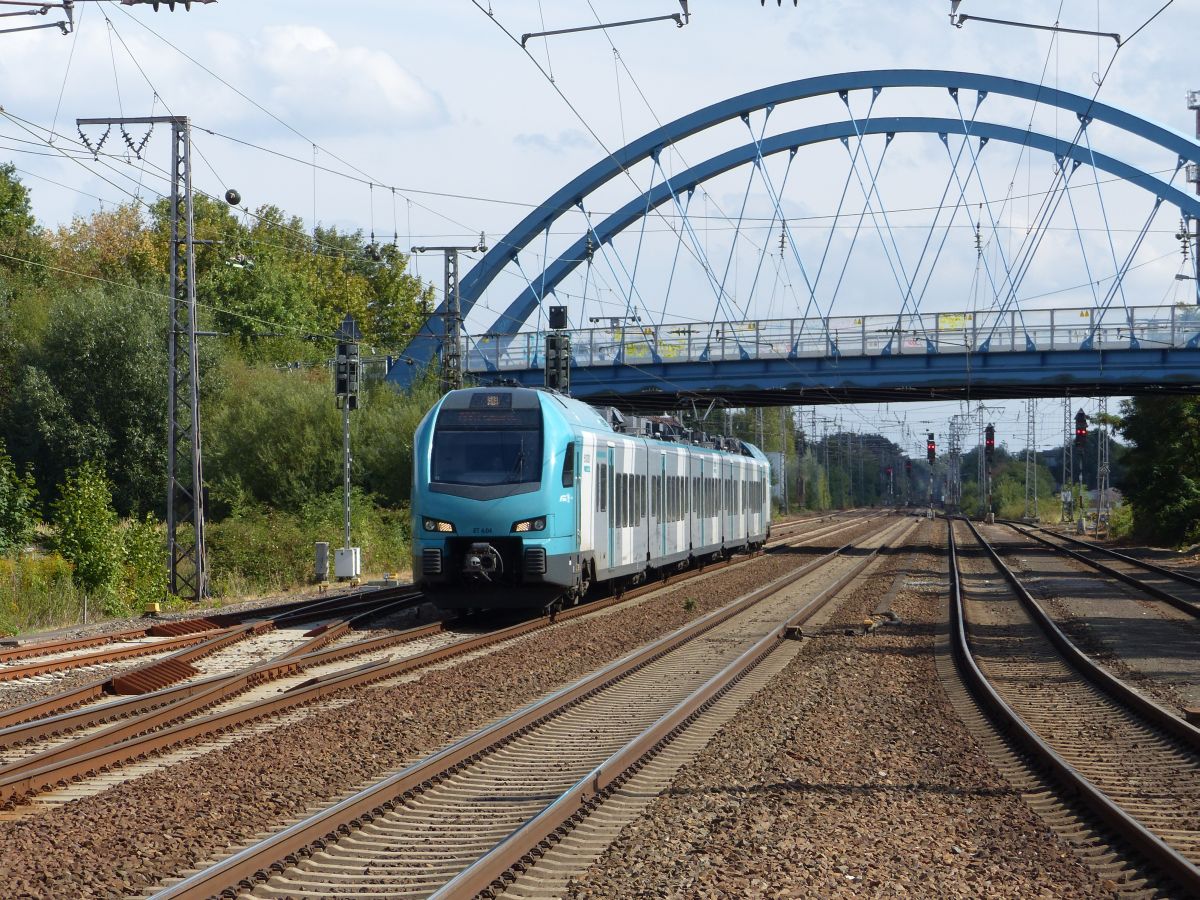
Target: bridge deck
(942, 356)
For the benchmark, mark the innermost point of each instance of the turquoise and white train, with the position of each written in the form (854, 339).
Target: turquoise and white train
(526, 497)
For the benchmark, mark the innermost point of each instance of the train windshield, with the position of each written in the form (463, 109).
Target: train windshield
(488, 446)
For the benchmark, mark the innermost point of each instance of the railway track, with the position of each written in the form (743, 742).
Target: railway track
(466, 819)
(1132, 765)
(46, 752)
(203, 635)
(1179, 589)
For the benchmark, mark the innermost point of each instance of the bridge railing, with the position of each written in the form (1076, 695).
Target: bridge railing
(850, 336)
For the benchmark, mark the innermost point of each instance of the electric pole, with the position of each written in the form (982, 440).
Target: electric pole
(1102, 468)
(187, 574)
(451, 371)
(1031, 497)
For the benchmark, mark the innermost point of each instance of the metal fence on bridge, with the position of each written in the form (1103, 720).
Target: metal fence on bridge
(945, 332)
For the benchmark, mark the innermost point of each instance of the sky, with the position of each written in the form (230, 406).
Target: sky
(428, 124)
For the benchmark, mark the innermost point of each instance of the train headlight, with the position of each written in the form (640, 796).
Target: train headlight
(439, 525)
(538, 524)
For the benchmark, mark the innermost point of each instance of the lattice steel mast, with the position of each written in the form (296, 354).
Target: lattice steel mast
(1031, 491)
(451, 367)
(1068, 463)
(187, 570)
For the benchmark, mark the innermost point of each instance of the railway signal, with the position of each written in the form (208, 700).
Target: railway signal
(1081, 429)
(930, 447)
(908, 467)
(989, 441)
(347, 560)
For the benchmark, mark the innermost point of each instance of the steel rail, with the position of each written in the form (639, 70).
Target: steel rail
(172, 722)
(174, 634)
(61, 703)
(304, 655)
(114, 654)
(245, 865)
(1155, 715)
(1192, 609)
(491, 873)
(8, 652)
(1008, 721)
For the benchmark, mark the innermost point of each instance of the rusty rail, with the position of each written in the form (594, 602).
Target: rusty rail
(171, 722)
(1192, 609)
(243, 867)
(1151, 846)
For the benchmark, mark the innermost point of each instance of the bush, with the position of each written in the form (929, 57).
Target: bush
(88, 535)
(1120, 521)
(261, 549)
(144, 579)
(18, 504)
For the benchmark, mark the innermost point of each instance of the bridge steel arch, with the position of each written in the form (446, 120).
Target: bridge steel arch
(424, 346)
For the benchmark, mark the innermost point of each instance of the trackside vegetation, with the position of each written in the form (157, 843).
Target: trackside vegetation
(83, 341)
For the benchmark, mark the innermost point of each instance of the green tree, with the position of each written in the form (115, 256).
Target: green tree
(95, 390)
(21, 247)
(1163, 467)
(88, 533)
(18, 504)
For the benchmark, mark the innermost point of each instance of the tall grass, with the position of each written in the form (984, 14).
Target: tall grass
(36, 592)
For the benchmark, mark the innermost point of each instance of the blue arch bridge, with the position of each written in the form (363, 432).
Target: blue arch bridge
(932, 280)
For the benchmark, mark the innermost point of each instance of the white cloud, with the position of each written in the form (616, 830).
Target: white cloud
(569, 139)
(313, 80)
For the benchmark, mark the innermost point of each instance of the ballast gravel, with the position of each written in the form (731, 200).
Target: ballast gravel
(849, 775)
(128, 838)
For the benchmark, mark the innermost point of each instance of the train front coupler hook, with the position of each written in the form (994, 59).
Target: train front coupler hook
(482, 561)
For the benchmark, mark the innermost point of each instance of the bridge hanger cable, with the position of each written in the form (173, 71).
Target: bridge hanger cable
(775, 216)
(1010, 297)
(696, 251)
(1062, 161)
(907, 290)
(900, 277)
(1104, 216)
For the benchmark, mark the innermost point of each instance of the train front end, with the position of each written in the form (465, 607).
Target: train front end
(494, 501)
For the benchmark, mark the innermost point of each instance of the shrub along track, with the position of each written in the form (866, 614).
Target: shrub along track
(424, 825)
(147, 828)
(1134, 767)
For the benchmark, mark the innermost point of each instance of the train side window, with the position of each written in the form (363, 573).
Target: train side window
(621, 506)
(568, 472)
(641, 496)
(602, 488)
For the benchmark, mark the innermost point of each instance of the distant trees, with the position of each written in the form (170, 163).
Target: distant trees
(1163, 464)
(83, 389)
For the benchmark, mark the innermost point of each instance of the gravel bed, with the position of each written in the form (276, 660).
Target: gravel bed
(849, 775)
(1142, 640)
(128, 838)
(17, 693)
